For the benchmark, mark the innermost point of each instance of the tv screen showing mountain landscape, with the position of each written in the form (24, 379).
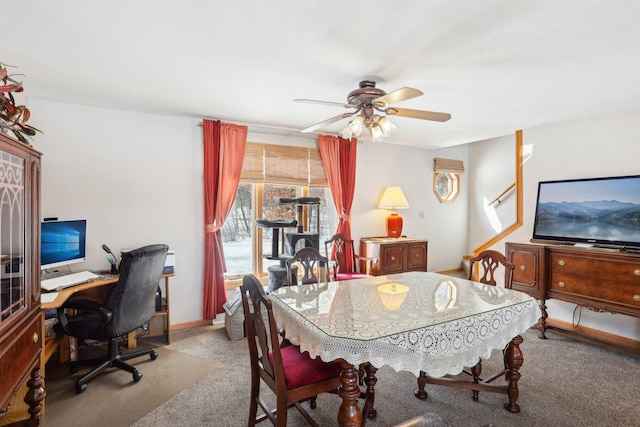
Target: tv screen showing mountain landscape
(597, 210)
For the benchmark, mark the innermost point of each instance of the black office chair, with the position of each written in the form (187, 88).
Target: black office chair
(129, 304)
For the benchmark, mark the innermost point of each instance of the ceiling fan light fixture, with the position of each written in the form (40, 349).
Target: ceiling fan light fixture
(346, 133)
(367, 101)
(386, 126)
(355, 126)
(377, 134)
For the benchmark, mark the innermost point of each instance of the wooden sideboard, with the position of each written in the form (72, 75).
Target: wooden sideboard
(604, 280)
(21, 331)
(394, 255)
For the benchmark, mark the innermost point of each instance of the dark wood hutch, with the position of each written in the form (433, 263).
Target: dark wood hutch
(21, 327)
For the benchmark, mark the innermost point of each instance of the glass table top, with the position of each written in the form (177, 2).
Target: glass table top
(382, 306)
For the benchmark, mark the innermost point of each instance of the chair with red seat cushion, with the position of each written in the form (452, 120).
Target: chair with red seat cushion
(340, 249)
(292, 375)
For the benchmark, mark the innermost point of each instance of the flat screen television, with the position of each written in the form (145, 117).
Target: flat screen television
(592, 211)
(62, 243)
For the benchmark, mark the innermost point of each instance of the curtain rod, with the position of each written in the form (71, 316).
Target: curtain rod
(273, 130)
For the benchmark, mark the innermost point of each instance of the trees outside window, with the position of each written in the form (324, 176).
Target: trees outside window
(244, 244)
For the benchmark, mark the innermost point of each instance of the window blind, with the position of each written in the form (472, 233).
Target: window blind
(283, 164)
(448, 166)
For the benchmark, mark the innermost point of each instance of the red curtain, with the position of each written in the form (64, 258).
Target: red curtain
(339, 161)
(224, 146)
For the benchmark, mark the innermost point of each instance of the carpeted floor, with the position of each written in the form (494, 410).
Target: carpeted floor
(113, 399)
(565, 382)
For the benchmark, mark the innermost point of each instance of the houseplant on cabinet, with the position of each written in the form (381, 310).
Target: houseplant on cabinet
(13, 117)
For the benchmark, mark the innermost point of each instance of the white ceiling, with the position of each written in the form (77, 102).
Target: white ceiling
(496, 66)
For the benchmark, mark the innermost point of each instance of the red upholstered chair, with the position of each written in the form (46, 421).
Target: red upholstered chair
(340, 249)
(292, 375)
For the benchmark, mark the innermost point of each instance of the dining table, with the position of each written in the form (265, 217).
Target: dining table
(429, 324)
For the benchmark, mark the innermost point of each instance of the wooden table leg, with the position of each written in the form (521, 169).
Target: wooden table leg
(543, 320)
(513, 361)
(349, 414)
(420, 393)
(370, 380)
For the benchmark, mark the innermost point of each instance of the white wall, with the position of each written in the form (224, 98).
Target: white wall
(445, 224)
(491, 171)
(599, 146)
(137, 179)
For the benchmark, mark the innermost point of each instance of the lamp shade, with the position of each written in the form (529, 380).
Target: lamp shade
(393, 198)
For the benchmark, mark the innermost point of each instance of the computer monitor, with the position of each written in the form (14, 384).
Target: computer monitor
(62, 243)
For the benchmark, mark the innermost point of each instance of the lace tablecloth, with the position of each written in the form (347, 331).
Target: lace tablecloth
(414, 321)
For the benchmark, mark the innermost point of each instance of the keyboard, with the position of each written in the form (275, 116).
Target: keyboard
(67, 280)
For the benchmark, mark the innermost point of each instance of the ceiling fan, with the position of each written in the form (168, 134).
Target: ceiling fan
(368, 101)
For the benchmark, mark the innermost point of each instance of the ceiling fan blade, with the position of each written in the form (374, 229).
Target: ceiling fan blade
(418, 114)
(399, 95)
(326, 122)
(335, 104)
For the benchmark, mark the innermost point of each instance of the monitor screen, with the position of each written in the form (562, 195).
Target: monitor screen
(596, 211)
(62, 243)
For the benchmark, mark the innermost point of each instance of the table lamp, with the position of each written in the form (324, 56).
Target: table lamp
(393, 199)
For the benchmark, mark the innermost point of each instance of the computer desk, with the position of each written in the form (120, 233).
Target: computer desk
(95, 290)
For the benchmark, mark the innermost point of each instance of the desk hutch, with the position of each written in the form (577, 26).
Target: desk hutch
(21, 383)
(605, 280)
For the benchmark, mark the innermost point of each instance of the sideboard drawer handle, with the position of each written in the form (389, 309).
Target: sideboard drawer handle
(417, 255)
(523, 267)
(35, 337)
(393, 258)
(561, 284)
(561, 262)
(636, 298)
(636, 272)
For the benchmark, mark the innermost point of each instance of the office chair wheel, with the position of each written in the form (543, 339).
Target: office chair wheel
(80, 387)
(136, 376)
(153, 355)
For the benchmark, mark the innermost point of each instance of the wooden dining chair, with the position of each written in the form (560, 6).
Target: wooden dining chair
(291, 374)
(314, 265)
(485, 268)
(340, 249)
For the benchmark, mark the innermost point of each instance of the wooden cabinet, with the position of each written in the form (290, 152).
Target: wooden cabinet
(21, 334)
(393, 255)
(528, 273)
(599, 279)
(604, 281)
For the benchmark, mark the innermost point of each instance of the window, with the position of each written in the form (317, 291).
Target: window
(238, 232)
(446, 179)
(272, 172)
(446, 186)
